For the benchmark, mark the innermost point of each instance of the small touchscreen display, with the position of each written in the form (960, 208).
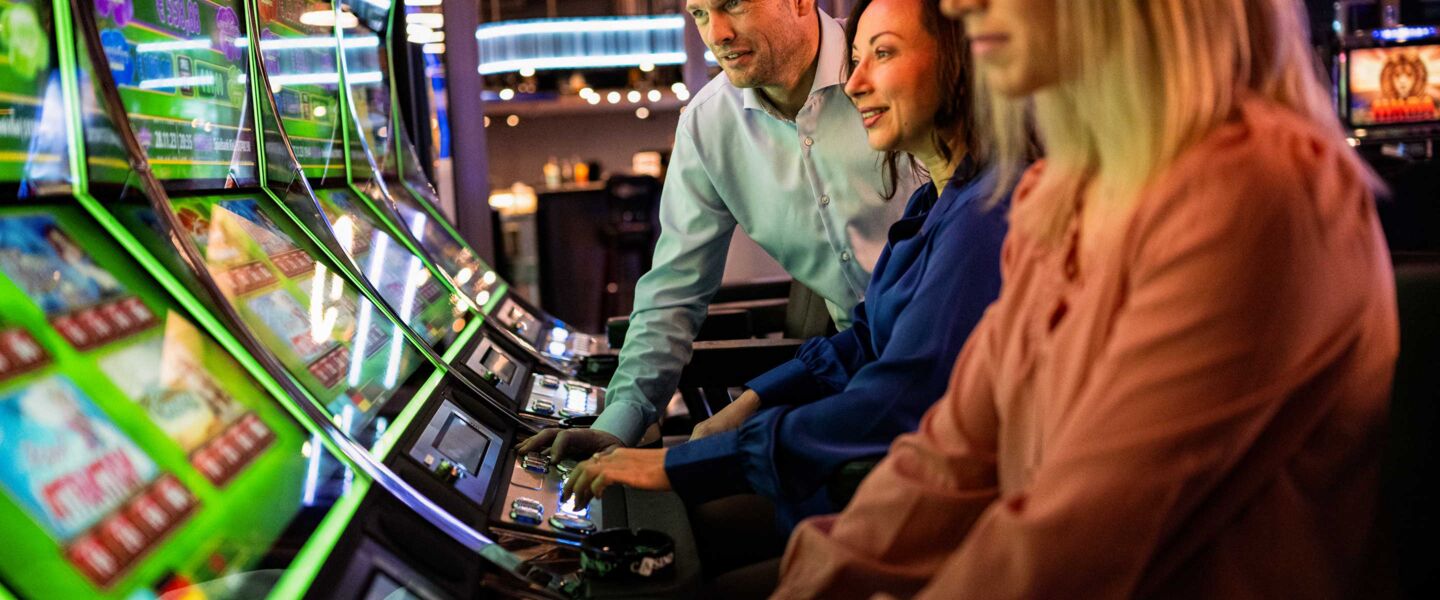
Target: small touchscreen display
(499, 364)
(462, 443)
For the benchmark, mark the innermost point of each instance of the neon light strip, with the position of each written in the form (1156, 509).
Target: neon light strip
(1402, 34)
(323, 78)
(174, 82)
(567, 26)
(177, 45)
(311, 43)
(582, 62)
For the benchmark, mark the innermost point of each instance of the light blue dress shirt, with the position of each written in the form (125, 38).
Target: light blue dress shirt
(808, 191)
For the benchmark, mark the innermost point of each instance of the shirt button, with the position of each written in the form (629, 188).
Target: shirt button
(845, 256)
(809, 141)
(825, 200)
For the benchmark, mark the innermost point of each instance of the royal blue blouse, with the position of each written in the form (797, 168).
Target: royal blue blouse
(848, 396)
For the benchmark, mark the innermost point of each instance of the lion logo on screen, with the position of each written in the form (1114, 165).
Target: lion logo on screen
(1404, 76)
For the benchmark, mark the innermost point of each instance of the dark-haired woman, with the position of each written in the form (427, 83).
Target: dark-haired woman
(847, 397)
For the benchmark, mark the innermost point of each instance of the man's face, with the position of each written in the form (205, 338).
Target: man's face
(755, 41)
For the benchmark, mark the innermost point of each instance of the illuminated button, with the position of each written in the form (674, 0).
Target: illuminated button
(550, 382)
(575, 403)
(447, 471)
(572, 523)
(528, 503)
(542, 407)
(566, 466)
(559, 334)
(526, 516)
(535, 463)
(568, 508)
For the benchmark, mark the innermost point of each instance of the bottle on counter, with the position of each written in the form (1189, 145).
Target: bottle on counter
(552, 173)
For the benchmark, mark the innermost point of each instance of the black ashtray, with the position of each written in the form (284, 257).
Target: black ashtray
(627, 554)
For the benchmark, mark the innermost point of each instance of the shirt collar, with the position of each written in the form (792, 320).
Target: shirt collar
(829, 70)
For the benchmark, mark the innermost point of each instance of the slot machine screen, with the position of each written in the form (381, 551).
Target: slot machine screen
(462, 443)
(1393, 86)
(131, 443)
(328, 336)
(299, 55)
(32, 131)
(180, 69)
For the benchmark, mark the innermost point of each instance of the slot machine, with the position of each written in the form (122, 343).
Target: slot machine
(1387, 74)
(238, 204)
(558, 348)
(144, 451)
(344, 213)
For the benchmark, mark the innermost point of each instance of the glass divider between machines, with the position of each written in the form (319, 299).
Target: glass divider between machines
(251, 267)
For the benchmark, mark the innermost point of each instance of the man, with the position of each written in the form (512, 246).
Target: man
(772, 145)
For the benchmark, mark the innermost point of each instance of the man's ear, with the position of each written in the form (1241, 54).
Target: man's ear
(802, 8)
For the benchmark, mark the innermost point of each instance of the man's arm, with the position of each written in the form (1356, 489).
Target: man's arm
(671, 299)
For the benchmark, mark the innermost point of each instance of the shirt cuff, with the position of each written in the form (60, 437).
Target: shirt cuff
(707, 468)
(622, 420)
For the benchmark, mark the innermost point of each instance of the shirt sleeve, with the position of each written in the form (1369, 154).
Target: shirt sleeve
(1215, 374)
(671, 299)
(788, 453)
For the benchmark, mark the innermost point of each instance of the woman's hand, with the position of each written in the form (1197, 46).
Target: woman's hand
(637, 468)
(729, 418)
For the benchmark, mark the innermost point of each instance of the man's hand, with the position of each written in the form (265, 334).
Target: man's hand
(730, 417)
(569, 443)
(637, 468)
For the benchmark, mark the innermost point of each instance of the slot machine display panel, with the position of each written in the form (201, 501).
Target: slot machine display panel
(1393, 87)
(134, 447)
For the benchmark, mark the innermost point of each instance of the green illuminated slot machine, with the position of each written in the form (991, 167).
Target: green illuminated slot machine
(342, 217)
(410, 202)
(540, 384)
(143, 452)
(239, 220)
(303, 106)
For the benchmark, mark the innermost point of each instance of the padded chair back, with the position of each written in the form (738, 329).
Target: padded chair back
(1410, 504)
(806, 314)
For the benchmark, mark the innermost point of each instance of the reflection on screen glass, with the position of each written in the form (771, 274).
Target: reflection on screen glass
(471, 274)
(332, 339)
(399, 275)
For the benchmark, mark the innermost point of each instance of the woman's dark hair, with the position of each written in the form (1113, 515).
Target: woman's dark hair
(955, 123)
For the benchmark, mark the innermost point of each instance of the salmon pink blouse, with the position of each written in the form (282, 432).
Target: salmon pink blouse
(1189, 407)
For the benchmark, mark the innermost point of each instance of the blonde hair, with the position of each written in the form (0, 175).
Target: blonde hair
(1147, 79)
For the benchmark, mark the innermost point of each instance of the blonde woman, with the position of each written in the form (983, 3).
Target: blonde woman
(1181, 389)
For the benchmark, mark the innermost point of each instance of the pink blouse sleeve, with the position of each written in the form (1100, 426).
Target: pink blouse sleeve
(1255, 315)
